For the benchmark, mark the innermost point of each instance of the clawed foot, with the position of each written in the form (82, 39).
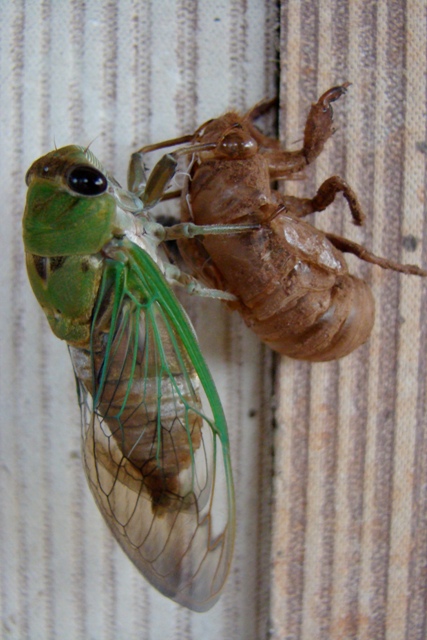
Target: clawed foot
(318, 128)
(332, 95)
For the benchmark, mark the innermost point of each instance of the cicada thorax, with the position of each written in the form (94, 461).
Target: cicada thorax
(292, 285)
(66, 287)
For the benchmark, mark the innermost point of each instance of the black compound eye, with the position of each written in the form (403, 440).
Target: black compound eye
(87, 181)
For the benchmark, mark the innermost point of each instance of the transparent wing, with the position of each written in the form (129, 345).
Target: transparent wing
(155, 444)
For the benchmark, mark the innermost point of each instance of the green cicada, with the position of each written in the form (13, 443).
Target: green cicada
(154, 436)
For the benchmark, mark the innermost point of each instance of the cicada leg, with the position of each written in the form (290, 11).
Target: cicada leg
(187, 230)
(348, 246)
(137, 179)
(325, 195)
(258, 110)
(318, 130)
(175, 276)
(153, 189)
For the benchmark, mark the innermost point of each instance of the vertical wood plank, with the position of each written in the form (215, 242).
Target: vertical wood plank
(116, 74)
(349, 515)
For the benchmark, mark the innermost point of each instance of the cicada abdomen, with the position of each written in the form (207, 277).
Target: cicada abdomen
(154, 459)
(156, 452)
(293, 288)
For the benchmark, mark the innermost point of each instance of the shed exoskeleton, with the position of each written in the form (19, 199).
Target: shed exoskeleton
(291, 280)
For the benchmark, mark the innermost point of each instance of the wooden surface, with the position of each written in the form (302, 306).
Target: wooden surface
(349, 542)
(117, 75)
(342, 553)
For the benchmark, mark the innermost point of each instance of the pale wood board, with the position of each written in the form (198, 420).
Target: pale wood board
(117, 75)
(349, 537)
(348, 534)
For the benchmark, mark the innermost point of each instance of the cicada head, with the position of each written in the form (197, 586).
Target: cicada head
(72, 204)
(69, 210)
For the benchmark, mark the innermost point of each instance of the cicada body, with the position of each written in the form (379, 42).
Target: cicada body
(291, 280)
(154, 436)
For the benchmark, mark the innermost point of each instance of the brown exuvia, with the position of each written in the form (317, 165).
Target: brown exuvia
(291, 280)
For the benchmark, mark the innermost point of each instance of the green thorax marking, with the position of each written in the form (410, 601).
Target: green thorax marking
(67, 293)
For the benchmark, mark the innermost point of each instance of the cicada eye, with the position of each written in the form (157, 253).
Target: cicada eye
(237, 144)
(87, 181)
